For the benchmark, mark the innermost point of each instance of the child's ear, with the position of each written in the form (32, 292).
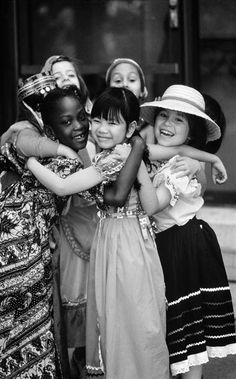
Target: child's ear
(131, 129)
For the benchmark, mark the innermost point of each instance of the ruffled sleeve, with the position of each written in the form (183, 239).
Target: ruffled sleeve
(107, 164)
(63, 167)
(184, 186)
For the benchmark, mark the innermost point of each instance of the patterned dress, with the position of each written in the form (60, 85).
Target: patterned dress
(200, 318)
(126, 307)
(28, 212)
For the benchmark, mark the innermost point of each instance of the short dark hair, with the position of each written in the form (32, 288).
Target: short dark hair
(49, 103)
(115, 101)
(197, 131)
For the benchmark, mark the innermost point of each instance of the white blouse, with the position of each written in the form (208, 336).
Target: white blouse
(186, 199)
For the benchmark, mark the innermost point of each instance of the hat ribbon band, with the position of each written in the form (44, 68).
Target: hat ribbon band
(183, 101)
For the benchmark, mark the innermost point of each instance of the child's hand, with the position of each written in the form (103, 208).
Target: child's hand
(11, 133)
(30, 161)
(185, 166)
(66, 151)
(138, 141)
(122, 151)
(218, 172)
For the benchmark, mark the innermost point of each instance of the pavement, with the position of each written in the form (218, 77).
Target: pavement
(223, 220)
(220, 368)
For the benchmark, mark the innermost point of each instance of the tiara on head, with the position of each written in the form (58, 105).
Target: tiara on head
(38, 84)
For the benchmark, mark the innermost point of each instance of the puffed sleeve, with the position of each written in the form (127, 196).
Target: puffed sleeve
(185, 186)
(63, 167)
(107, 164)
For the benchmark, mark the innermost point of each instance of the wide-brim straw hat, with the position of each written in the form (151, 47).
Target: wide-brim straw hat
(184, 99)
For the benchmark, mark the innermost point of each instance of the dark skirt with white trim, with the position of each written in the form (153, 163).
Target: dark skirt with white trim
(200, 318)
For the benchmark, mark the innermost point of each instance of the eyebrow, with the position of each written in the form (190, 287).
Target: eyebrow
(181, 113)
(119, 73)
(59, 72)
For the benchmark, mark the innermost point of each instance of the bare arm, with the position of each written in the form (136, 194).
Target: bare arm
(74, 183)
(147, 193)
(158, 152)
(153, 200)
(116, 193)
(219, 173)
(30, 142)
(185, 166)
(147, 134)
(11, 133)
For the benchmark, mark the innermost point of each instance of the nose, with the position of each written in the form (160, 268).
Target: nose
(168, 121)
(125, 83)
(103, 128)
(77, 125)
(64, 77)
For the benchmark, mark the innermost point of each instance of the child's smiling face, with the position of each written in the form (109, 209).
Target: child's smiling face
(107, 133)
(171, 128)
(70, 123)
(65, 74)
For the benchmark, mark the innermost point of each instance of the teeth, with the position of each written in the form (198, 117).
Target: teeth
(167, 133)
(81, 136)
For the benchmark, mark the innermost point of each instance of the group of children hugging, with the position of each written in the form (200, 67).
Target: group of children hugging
(103, 259)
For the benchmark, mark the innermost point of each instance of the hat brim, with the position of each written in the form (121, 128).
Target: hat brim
(148, 113)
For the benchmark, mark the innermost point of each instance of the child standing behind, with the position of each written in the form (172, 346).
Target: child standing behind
(200, 319)
(126, 292)
(127, 73)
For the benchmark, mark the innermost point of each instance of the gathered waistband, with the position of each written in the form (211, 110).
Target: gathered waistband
(121, 214)
(141, 216)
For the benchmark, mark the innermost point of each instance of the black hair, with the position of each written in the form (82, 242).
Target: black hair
(83, 88)
(197, 131)
(49, 103)
(116, 101)
(213, 109)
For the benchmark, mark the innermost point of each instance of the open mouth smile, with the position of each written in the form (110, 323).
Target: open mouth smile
(80, 137)
(167, 133)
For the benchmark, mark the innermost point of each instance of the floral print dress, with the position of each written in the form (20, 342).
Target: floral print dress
(28, 212)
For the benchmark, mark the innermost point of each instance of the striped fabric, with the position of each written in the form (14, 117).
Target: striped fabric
(200, 319)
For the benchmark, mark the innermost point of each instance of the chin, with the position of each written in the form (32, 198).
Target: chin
(82, 145)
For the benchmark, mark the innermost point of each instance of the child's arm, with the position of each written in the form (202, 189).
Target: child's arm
(147, 192)
(147, 134)
(116, 193)
(185, 166)
(152, 200)
(74, 183)
(11, 132)
(219, 174)
(31, 143)
(77, 182)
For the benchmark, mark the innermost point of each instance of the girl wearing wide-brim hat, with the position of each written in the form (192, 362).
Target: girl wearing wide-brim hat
(200, 319)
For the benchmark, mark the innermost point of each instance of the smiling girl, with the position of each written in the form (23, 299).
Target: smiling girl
(126, 293)
(200, 319)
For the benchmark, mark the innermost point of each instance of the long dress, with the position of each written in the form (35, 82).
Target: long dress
(76, 231)
(126, 296)
(200, 317)
(28, 212)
